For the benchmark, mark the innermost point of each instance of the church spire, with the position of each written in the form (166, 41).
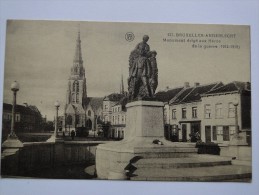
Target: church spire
(122, 86)
(78, 53)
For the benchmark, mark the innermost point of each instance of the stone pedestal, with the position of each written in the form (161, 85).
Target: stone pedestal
(11, 145)
(144, 124)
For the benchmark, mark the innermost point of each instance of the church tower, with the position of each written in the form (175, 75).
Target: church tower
(75, 115)
(76, 93)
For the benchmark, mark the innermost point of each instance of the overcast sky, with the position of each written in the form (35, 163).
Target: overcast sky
(39, 55)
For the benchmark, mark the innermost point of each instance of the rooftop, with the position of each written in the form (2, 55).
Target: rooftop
(235, 86)
(166, 96)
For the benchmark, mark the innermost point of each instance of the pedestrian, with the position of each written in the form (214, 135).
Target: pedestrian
(73, 134)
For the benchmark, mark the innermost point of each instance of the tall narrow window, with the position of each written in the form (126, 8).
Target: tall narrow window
(174, 114)
(194, 112)
(207, 111)
(225, 133)
(77, 97)
(183, 112)
(219, 110)
(231, 110)
(89, 112)
(76, 86)
(214, 133)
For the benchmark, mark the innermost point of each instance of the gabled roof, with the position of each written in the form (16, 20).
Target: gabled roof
(114, 97)
(193, 94)
(95, 102)
(166, 96)
(235, 86)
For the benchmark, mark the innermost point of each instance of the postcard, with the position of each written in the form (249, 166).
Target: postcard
(127, 101)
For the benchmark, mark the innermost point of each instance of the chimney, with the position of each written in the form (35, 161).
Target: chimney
(186, 84)
(196, 84)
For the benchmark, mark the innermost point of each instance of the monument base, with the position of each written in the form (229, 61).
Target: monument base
(11, 145)
(144, 138)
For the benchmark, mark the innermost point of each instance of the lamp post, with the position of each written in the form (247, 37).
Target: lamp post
(53, 138)
(14, 87)
(57, 104)
(12, 140)
(235, 103)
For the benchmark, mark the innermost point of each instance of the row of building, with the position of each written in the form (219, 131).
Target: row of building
(214, 111)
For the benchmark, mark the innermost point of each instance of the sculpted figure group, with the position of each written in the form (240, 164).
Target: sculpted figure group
(143, 72)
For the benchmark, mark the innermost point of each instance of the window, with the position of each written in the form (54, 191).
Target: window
(231, 110)
(207, 111)
(174, 114)
(118, 119)
(89, 112)
(76, 86)
(73, 97)
(105, 107)
(219, 130)
(183, 112)
(17, 118)
(77, 97)
(194, 112)
(113, 119)
(122, 119)
(219, 110)
(225, 133)
(118, 109)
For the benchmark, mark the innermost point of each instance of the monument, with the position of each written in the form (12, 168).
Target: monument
(144, 133)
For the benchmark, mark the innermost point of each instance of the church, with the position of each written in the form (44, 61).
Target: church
(80, 110)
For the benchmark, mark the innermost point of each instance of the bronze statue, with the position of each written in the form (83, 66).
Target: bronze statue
(143, 72)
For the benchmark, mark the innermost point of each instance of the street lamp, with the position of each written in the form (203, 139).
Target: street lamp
(53, 138)
(12, 142)
(235, 103)
(14, 87)
(57, 104)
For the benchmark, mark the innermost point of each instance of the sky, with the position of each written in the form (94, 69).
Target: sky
(39, 55)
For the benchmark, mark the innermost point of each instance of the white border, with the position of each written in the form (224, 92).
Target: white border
(185, 11)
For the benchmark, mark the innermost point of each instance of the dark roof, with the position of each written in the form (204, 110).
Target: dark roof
(123, 101)
(95, 102)
(21, 109)
(234, 86)
(166, 96)
(182, 95)
(114, 97)
(193, 94)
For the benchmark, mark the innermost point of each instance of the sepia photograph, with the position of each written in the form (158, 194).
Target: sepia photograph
(131, 101)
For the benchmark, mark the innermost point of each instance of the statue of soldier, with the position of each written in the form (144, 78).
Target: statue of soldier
(140, 71)
(154, 72)
(143, 47)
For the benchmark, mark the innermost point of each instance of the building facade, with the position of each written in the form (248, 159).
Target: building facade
(186, 111)
(27, 119)
(225, 109)
(118, 122)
